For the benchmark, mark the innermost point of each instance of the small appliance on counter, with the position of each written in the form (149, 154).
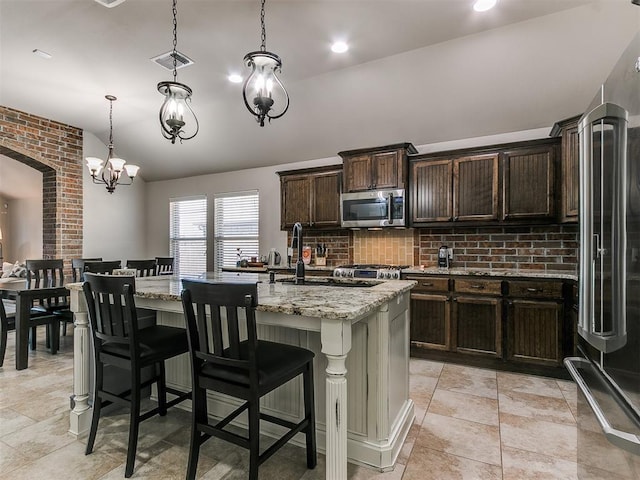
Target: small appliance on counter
(445, 256)
(274, 258)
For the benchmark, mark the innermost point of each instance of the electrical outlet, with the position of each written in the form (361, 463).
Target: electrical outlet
(450, 254)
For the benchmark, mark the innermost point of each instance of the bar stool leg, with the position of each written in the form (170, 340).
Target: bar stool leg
(134, 422)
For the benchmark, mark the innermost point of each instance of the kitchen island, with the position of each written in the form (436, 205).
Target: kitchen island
(360, 335)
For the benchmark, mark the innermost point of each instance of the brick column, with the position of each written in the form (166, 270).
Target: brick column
(55, 149)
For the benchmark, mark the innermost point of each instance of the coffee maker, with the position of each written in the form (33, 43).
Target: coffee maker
(445, 255)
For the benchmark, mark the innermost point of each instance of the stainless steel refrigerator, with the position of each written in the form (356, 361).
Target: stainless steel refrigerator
(606, 368)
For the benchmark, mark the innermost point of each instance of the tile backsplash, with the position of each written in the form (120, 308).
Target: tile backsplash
(548, 247)
(388, 247)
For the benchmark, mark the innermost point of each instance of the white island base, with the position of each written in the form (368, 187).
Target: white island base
(363, 409)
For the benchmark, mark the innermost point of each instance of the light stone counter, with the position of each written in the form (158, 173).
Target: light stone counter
(494, 272)
(363, 330)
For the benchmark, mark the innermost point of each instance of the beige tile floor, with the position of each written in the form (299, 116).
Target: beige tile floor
(470, 424)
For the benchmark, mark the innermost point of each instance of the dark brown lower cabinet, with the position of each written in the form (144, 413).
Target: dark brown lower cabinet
(477, 325)
(534, 331)
(431, 321)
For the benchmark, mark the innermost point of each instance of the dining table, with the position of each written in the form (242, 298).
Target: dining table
(26, 294)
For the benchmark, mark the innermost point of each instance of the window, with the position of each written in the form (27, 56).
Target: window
(188, 234)
(236, 227)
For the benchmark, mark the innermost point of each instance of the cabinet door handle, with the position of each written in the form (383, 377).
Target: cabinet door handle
(534, 290)
(427, 284)
(477, 287)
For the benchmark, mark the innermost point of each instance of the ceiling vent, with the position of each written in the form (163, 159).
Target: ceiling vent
(166, 60)
(110, 3)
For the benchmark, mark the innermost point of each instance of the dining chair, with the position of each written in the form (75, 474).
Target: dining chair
(144, 268)
(77, 267)
(164, 265)
(246, 369)
(105, 267)
(43, 274)
(119, 341)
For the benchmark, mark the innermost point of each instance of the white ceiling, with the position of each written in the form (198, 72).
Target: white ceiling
(422, 71)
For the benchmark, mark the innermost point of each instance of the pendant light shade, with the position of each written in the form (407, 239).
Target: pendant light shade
(177, 119)
(111, 174)
(263, 92)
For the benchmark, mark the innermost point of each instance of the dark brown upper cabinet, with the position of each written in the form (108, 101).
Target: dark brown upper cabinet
(311, 197)
(475, 187)
(431, 191)
(528, 183)
(376, 168)
(495, 184)
(567, 130)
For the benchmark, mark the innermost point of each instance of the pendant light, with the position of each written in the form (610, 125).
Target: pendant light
(263, 93)
(176, 109)
(112, 171)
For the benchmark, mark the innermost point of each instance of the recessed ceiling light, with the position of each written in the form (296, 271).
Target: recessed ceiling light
(42, 54)
(235, 78)
(484, 5)
(339, 47)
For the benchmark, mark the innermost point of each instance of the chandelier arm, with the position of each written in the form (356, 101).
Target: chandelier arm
(244, 92)
(273, 117)
(180, 136)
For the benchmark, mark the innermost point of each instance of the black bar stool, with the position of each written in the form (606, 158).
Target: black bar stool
(245, 369)
(118, 341)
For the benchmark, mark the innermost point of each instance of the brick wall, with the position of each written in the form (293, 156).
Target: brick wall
(55, 149)
(339, 243)
(550, 247)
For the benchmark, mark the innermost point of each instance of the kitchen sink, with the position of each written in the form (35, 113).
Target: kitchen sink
(331, 282)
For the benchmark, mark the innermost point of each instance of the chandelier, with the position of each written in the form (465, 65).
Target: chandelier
(177, 99)
(110, 175)
(269, 99)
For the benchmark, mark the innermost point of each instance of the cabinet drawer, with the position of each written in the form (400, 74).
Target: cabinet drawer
(429, 284)
(481, 287)
(529, 289)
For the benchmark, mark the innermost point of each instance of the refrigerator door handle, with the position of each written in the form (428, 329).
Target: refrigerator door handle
(625, 440)
(606, 334)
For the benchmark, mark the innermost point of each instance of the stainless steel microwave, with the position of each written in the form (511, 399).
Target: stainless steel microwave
(373, 208)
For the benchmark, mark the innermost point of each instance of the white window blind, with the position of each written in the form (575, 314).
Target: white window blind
(236, 227)
(188, 234)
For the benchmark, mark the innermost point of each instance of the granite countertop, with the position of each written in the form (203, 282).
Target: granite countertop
(278, 268)
(494, 272)
(312, 300)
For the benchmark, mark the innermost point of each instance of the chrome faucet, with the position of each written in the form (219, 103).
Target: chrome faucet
(297, 235)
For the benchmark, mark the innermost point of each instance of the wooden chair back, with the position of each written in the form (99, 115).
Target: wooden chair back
(164, 265)
(46, 274)
(144, 268)
(77, 267)
(112, 312)
(104, 267)
(215, 338)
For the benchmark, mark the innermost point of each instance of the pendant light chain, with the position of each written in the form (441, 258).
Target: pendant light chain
(111, 123)
(175, 40)
(263, 46)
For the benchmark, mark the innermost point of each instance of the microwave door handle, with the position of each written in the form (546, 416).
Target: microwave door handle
(390, 209)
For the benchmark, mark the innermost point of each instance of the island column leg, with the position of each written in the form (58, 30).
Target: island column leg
(336, 343)
(80, 415)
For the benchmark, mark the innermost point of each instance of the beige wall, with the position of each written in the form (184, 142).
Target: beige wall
(21, 219)
(114, 224)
